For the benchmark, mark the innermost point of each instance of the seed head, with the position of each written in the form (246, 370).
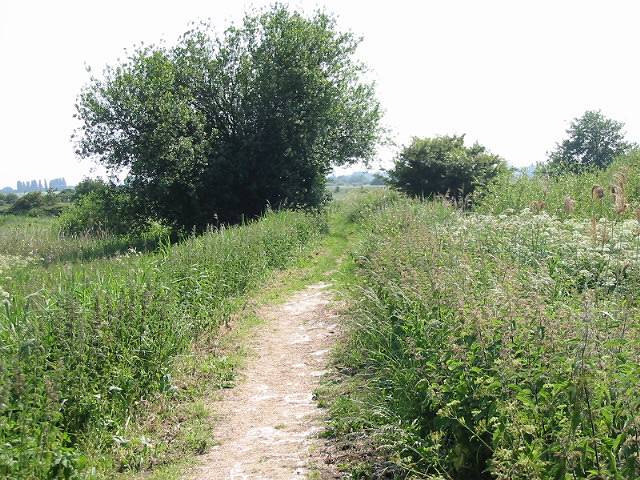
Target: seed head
(538, 205)
(569, 204)
(620, 206)
(597, 192)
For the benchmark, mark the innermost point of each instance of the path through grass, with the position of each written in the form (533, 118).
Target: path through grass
(324, 262)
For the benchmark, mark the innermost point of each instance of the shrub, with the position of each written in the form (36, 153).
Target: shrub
(443, 166)
(100, 210)
(27, 203)
(88, 185)
(8, 198)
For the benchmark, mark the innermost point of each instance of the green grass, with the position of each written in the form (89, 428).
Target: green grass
(178, 428)
(85, 347)
(108, 363)
(490, 346)
(347, 192)
(322, 260)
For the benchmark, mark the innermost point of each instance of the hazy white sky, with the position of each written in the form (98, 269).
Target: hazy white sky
(510, 74)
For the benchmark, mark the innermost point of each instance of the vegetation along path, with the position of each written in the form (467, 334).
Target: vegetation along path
(267, 426)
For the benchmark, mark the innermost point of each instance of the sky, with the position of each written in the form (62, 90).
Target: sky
(509, 74)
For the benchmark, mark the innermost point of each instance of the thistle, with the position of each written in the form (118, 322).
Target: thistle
(620, 206)
(538, 205)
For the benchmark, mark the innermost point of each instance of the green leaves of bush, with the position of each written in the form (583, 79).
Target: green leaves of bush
(443, 166)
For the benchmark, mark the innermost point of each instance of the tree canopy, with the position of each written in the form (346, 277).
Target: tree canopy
(593, 141)
(216, 128)
(443, 166)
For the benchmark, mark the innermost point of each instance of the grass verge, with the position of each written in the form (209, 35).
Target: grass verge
(490, 346)
(85, 348)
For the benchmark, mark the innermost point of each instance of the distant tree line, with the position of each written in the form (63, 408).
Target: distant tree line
(36, 204)
(357, 178)
(445, 166)
(37, 185)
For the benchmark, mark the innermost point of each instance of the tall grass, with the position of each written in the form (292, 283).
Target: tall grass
(41, 240)
(550, 194)
(493, 346)
(82, 344)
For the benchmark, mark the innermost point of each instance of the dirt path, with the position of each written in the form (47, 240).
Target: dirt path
(267, 426)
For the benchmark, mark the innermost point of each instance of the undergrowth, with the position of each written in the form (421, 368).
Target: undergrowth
(83, 346)
(42, 241)
(492, 346)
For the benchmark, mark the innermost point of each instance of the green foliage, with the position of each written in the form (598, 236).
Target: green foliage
(36, 204)
(100, 208)
(593, 141)
(216, 129)
(82, 346)
(359, 204)
(443, 166)
(569, 195)
(65, 196)
(487, 346)
(27, 202)
(8, 198)
(89, 185)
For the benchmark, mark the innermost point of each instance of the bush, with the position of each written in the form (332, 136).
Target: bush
(87, 186)
(443, 166)
(8, 198)
(100, 210)
(28, 203)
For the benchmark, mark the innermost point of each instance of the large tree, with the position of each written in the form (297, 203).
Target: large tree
(593, 141)
(219, 128)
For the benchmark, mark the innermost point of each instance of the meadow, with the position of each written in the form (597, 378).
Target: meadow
(501, 342)
(90, 332)
(41, 240)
